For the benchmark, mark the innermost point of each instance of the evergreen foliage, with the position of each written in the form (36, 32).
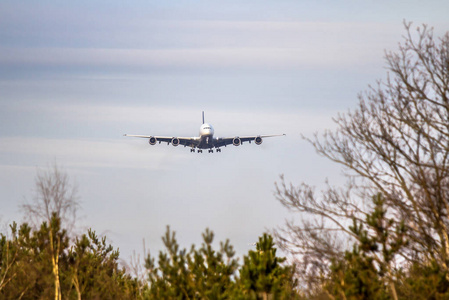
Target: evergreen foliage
(263, 276)
(206, 273)
(366, 271)
(94, 271)
(88, 269)
(424, 281)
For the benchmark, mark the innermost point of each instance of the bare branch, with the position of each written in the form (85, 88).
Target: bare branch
(396, 143)
(54, 194)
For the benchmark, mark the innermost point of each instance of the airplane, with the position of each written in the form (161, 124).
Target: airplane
(206, 140)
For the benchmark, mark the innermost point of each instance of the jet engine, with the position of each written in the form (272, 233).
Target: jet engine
(152, 140)
(236, 141)
(175, 142)
(258, 140)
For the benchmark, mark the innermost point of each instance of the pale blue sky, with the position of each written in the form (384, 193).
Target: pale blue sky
(74, 77)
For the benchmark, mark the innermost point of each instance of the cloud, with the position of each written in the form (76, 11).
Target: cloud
(137, 59)
(196, 45)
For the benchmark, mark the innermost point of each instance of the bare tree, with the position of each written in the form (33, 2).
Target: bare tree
(395, 143)
(55, 203)
(54, 194)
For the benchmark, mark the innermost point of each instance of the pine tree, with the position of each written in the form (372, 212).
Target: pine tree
(366, 272)
(94, 272)
(202, 273)
(212, 270)
(263, 276)
(423, 280)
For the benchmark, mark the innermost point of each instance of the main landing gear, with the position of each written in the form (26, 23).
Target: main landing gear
(201, 151)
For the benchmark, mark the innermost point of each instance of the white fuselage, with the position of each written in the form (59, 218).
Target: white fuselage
(206, 135)
(206, 130)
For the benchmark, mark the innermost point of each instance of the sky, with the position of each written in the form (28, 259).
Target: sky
(75, 76)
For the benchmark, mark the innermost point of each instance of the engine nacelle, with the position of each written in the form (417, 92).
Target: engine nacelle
(152, 140)
(175, 142)
(258, 140)
(236, 141)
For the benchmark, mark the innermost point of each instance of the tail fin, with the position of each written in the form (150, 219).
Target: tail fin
(203, 117)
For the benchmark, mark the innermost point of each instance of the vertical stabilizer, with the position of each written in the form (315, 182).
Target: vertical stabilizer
(203, 117)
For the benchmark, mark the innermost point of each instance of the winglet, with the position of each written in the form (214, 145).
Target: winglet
(203, 117)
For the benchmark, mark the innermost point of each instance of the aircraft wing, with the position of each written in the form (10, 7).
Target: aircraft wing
(153, 139)
(240, 140)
